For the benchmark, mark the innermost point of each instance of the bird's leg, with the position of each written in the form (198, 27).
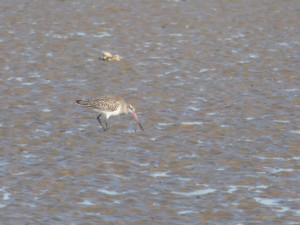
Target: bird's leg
(106, 124)
(98, 118)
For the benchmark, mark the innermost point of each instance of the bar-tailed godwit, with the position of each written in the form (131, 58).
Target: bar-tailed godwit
(110, 106)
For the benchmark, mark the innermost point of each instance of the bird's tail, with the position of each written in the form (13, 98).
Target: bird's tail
(82, 102)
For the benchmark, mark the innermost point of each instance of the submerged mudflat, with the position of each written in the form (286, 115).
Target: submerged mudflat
(215, 83)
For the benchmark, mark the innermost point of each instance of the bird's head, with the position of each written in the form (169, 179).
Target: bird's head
(131, 109)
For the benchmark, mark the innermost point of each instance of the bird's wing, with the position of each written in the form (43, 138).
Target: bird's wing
(105, 103)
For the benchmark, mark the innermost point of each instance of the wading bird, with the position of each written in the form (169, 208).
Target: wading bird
(110, 106)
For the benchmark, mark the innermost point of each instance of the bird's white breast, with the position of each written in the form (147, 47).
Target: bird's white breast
(108, 113)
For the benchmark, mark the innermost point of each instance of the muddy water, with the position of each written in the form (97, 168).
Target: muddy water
(215, 83)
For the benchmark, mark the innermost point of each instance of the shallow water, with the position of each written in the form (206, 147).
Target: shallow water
(215, 83)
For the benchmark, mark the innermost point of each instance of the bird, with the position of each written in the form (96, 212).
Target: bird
(110, 105)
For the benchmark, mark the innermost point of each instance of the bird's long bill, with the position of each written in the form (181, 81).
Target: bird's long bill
(137, 120)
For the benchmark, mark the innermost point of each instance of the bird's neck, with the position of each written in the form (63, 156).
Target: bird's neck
(124, 108)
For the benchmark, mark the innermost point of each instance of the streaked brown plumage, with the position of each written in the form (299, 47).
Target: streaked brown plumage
(109, 106)
(104, 103)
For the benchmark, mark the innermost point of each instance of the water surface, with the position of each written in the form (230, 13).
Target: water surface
(215, 83)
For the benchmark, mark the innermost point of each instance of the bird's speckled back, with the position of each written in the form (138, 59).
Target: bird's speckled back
(107, 103)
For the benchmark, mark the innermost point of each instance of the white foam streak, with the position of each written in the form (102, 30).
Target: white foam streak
(197, 192)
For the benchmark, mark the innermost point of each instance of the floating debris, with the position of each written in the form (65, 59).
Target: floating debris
(106, 56)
